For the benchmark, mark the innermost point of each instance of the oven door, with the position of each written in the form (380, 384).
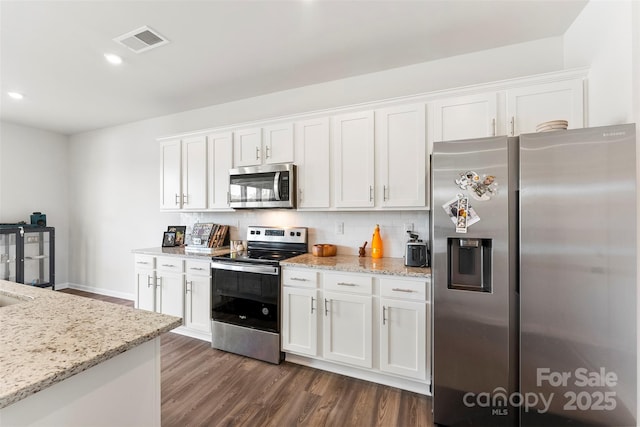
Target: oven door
(246, 295)
(271, 186)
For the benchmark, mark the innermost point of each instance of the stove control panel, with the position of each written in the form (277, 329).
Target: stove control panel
(277, 234)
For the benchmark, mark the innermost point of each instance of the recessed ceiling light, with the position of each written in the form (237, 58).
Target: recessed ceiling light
(113, 59)
(15, 95)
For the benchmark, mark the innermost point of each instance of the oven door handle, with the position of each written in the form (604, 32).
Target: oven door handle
(246, 268)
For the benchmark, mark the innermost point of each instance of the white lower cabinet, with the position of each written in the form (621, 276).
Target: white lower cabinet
(403, 338)
(197, 313)
(347, 332)
(300, 320)
(170, 285)
(178, 287)
(370, 326)
(145, 274)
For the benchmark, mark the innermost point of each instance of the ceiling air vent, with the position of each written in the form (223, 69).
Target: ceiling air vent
(142, 39)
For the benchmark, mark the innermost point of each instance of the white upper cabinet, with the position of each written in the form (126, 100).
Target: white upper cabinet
(353, 160)
(250, 149)
(529, 106)
(401, 156)
(247, 147)
(464, 117)
(278, 143)
(194, 173)
(314, 165)
(220, 152)
(183, 174)
(170, 175)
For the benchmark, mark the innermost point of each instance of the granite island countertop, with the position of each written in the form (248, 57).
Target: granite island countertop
(355, 264)
(50, 336)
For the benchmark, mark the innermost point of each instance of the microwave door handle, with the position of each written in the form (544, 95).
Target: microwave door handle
(276, 186)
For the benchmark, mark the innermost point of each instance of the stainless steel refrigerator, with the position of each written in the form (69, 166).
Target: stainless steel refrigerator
(534, 271)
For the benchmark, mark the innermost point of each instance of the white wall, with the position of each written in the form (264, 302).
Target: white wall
(115, 206)
(34, 176)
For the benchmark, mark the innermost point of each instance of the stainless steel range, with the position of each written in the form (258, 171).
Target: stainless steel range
(245, 292)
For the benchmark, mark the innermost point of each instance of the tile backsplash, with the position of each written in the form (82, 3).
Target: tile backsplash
(357, 227)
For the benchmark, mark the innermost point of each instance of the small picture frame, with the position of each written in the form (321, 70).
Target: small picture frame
(169, 239)
(180, 231)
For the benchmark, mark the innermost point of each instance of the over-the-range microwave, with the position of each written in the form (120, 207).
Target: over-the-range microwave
(260, 187)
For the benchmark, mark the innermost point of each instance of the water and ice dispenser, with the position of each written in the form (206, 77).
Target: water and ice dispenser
(469, 262)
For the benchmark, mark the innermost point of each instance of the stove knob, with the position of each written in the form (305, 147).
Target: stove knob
(298, 234)
(258, 232)
(291, 233)
(253, 232)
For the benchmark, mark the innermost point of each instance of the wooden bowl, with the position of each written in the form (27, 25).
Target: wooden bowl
(324, 250)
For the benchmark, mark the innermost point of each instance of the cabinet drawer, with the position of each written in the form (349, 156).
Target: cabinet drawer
(307, 278)
(145, 261)
(169, 264)
(354, 283)
(405, 289)
(198, 268)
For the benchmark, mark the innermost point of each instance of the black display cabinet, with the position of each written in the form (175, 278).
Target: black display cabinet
(27, 254)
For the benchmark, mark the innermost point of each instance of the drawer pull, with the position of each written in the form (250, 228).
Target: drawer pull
(384, 314)
(326, 310)
(168, 265)
(142, 262)
(149, 284)
(403, 290)
(312, 299)
(346, 284)
(298, 279)
(196, 268)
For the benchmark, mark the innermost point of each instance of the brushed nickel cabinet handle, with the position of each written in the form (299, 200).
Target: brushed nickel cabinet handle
(186, 288)
(384, 311)
(298, 279)
(257, 153)
(346, 284)
(267, 150)
(403, 290)
(513, 126)
(177, 199)
(159, 282)
(185, 199)
(168, 265)
(326, 310)
(149, 284)
(312, 299)
(371, 193)
(494, 127)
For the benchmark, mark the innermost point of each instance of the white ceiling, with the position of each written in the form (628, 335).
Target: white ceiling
(52, 51)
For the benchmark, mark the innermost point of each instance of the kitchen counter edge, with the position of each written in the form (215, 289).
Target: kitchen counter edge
(355, 264)
(179, 251)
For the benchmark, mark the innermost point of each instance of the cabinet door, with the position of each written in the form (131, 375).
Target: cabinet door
(314, 165)
(171, 288)
(278, 143)
(529, 106)
(194, 173)
(401, 156)
(198, 299)
(353, 160)
(300, 320)
(464, 117)
(247, 147)
(403, 338)
(220, 152)
(145, 289)
(347, 329)
(170, 177)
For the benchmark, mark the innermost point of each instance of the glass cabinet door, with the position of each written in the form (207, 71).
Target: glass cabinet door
(8, 256)
(37, 257)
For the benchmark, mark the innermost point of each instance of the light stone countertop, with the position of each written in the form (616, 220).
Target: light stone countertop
(355, 264)
(179, 251)
(52, 336)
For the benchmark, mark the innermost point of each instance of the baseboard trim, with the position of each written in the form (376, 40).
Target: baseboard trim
(101, 291)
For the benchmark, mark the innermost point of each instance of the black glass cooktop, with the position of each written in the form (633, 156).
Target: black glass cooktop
(259, 255)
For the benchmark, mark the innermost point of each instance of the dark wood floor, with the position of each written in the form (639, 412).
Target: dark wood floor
(202, 386)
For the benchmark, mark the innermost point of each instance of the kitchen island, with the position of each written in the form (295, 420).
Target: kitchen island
(69, 360)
